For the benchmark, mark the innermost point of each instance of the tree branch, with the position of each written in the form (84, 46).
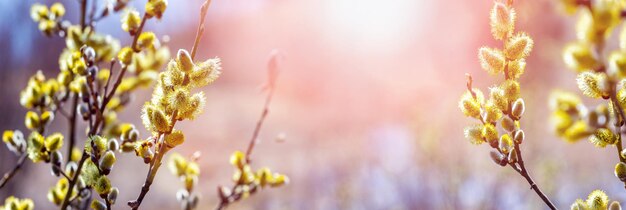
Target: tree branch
(7, 176)
(532, 183)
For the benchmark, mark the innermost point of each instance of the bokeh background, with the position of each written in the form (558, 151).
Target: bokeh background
(367, 99)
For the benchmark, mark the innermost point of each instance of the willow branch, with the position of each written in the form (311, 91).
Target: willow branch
(7, 176)
(154, 166)
(200, 31)
(522, 171)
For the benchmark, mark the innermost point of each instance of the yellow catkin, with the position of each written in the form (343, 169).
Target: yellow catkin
(502, 20)
(518, 46)
(491, 60)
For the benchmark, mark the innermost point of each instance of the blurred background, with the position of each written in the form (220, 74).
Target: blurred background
(367, 99)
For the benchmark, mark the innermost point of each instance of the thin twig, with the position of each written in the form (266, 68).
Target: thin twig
(72, 130)
(533, 185)
(93, 128)
(154, 165)
(83, 11)
(7, 176)
(271, 85)
(259, 124)
(200, 31)
(136, 36)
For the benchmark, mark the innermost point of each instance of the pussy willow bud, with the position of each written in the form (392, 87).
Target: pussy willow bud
(620, 171)
(190, 181)
(498, 158)
(511, 90)
(579, 204)
(32, 120)
(47, 117)
(54, 142)
(617, 62)
(224, 192)
(492, 113)
(174, 139)
(238, 159)
(83, 110)
(496, 94)
(591, 84)
(502, 20)
(131, 21)
(491, 60)
(474, 134)
(7, 137)
(125, 56)
(184, 61)
(615, 206)
(193, 203)
(133, 135)
(102, 185)
(490, 134)
(264, 176)
(470, 106)
(597, 200)
(517, 68)
(112, 196)
(603, 137)
(155, 8)
(147, 156)
(518, 108)
(518, 136)
(505, 144)
(182, 195)
(98, 205)
(38, 12)
(512, 157)
(107, 161)
(56, 159)
(113, 145)
(519, 46)
(57, 10)
(147, 40)
(89, 54)
(70, 168)
(160, 121)
(279, 180)
(508, 124)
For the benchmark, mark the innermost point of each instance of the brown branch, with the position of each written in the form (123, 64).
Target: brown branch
(7, 176)
(154, 165)
(259, 124)
(522, 171)
(83, 11)
(72, 130)
(143, 23)
(200, 31)
(74, 180)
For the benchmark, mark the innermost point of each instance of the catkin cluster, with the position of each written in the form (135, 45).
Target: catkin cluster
(503, 106)
(89, 87)
(86, 88)
(597, 200)
(599, 77)
(247, 181)
(13, 203)
(187, 171)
